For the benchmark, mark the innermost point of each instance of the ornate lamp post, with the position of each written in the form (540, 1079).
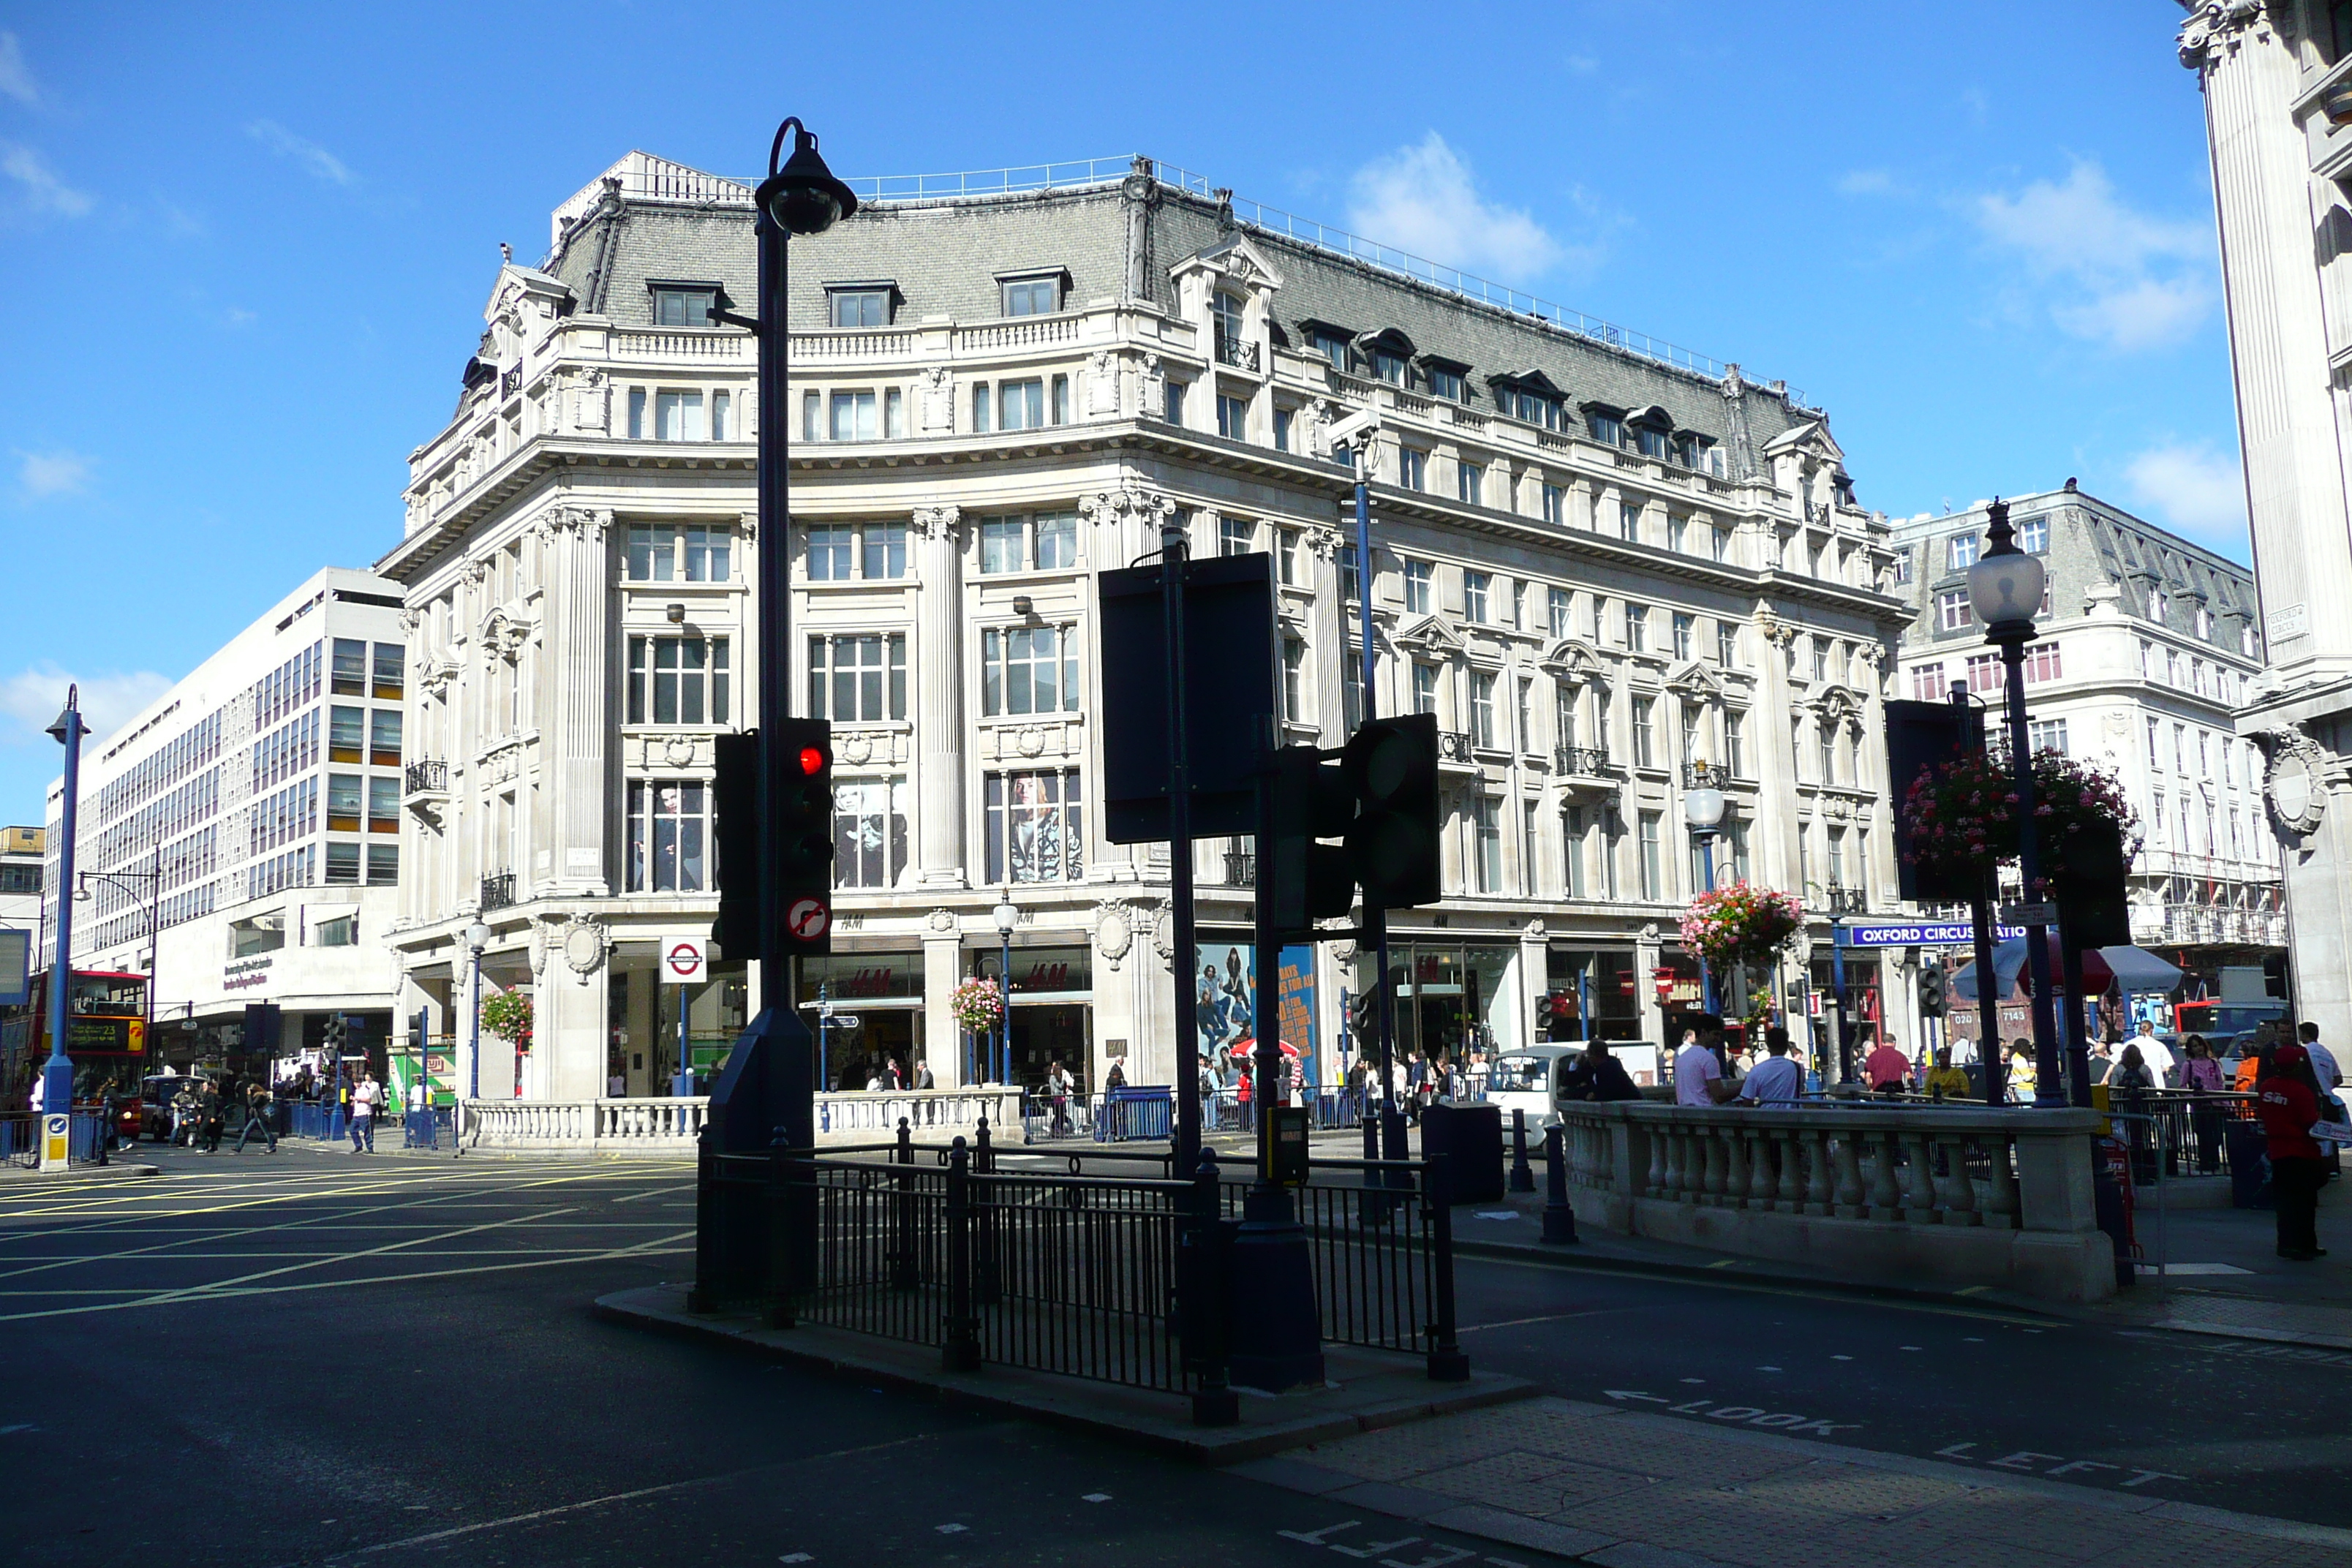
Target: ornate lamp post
(2005, 589)
(1703, 810)
(1007, 917)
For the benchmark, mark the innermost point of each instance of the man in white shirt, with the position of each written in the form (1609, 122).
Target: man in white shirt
(1778, 1081)
(1698, 1076)
(2323, 1060)
(2157, 1054)
(364, 1099)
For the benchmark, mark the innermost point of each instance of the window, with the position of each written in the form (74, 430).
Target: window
(1953, 611)
(980, 407)
(1637, 627)
(869, 832)
(348, 676)
(1021, 405)
(853, 416)
(1331, 345)
(1826, 733)
(1651, 441)
(391, 667)
(669, 828)
(857, 308)
(886, 551)
(1901, 564)
(678, 416)
(1350, 588)
(2156, 820)
(383, 738)
(829, 547)
(343, 864)
(1691, 744)
(1555, 503)
(1557, 602)
(1563, 714)
(1389, 365)
(1531, 837)
(1424, 687)
(1961, 552)
(812, 412)
(1034, 825)
(1286, 556)
(343, 794)
(1447, 383)
(1645, 745)
(1985, 673)
(2042, 662)
(684, 307)
(1026, 670)
(1293, 680)
(343, 931)
(384, 803)
(1607, 428)
(1727, 643)
(1628, 520)
(1837, 857)
(1476, 589)
(2204, 755)
(677, 680)
(2034, 535)
(1693, 451)
(2156, 604)
(1227, 317)
(1046, 540)
(1470, 483)
(1686, 631)
(2155, 752)
(1735, 743)
(1233, 417)
(1526, 732)
(1929, 683)
(383, 865)
(1653, 885)
(1057, 541)
(1413, 468)
(2180, 751)
(2047, 735)
(857, 677)
(1061, 405)
(1416, 587)
(1572, 849)
(1534, 407)
(1677, 531)
(1482, 709)
(1235, 535)
(1487, 831)
(1032, 295)
(1282, 429)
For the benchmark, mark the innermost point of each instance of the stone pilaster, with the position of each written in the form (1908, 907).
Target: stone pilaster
(571, 1001)
(943, 1045)
(938, 687)
(575, 744)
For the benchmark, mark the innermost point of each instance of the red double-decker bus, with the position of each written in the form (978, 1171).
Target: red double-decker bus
(106, 1039)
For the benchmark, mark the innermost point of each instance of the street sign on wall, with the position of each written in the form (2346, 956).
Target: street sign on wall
(685, 959)
(1915, 934)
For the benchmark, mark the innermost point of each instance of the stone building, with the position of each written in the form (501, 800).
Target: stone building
(1599, 560)
(2277, 82)
(2146, 646)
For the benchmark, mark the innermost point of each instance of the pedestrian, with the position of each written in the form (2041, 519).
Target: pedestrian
(365, 1096)
(256, 1119)
(617, 1084)
(2156, 1055)
(1945, 1081)
(2021, 1072)
(1115, 1077)
(2133, 1073)
(208, 1117)
(923, 1079)
(1778, 1081)
(2103, 1060)
(2201, 1075)
(2323, 1068)
(184, 1116)
(1698, 1076)
(2289, 1099)
(1887, 1069)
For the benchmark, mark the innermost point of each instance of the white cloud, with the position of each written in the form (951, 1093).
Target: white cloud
(16, 76)
(33, 698)
(43, 191)
(58, 473)
(2107, 273)
(309, 154)
(1868, 183)
(1422, 199)
(2193, 489)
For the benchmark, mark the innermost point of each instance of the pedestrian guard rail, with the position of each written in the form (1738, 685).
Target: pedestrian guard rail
(20, 1138)
(1117, 1278)
(1918, 1193)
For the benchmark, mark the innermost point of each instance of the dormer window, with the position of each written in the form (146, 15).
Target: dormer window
(1652, 433)
(1331, 342)
(857, 306)
(1031, 294)
(1531, 396)
(1697, 453)
(684, 304)
(1225, 313)
(1388, 367)
(1607, 425)
(1447, 380)
(1390, 354)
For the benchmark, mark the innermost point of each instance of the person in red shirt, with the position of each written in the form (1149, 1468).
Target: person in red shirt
(2287, 1100)
(1886, 1069)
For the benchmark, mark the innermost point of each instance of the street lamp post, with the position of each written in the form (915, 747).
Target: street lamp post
(2005, 591)
(1703, 810)
(477, 937)
(56, 1075)
(1007, 917)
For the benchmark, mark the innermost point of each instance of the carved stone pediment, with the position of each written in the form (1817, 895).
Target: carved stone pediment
(1430, 633)
(1573, 658)
(1694, 680)
(1837, 705)
(505, 631)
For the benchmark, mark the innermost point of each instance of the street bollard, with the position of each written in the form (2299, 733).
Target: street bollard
(1560, 1220)
(986, 1287)
(1523, 1180)
(961, 1351)
(904, 1275)
(1214, 1402)
(1446, 1362)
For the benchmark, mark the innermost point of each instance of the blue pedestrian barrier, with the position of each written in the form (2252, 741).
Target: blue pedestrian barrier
(1134, 1112)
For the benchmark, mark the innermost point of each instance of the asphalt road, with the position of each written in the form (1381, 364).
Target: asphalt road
(320, 1358)
(2257, 1428)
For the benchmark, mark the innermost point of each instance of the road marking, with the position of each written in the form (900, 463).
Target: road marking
(1742, 1414)
(1549, 1317)
(1095, 1497)
(2023, 1460)
(1445, 1554)
(950, 1529)
(796, 1557)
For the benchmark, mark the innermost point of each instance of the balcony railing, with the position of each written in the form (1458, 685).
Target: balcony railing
(498, 891)
(428, 778)
(1453, 746)
(1238, 351)
(1701, 775)
(1586, 761)
(1240, 869)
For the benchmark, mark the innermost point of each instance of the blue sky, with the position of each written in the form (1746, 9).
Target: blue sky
(250, 246)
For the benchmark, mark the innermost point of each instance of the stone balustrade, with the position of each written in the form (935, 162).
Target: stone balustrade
(670, 1126)
(1941, 1196)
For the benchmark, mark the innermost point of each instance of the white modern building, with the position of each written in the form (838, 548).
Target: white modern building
(22, 850)
(2145, 646)
(250, 816)
(1602, 561)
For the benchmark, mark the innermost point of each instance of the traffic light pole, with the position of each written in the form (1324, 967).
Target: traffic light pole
(1391, 1138)
(1184, 938)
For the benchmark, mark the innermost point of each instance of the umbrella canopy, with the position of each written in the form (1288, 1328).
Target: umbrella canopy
(2009, 959)
(2137, 969)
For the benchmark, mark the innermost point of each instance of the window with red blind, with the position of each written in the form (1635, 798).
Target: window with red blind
(1985, 672)
(2042, 662)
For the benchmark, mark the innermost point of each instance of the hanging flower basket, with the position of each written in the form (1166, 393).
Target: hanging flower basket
(507, 1015)
(1741, 923)
(977, 1004)
(1963, 815)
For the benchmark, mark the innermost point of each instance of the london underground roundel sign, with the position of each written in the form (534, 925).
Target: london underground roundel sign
(685, 959)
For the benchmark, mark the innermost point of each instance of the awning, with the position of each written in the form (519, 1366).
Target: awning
(2135, 968)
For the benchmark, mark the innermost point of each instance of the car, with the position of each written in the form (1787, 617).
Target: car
(1527, 1079)
(156, 1093)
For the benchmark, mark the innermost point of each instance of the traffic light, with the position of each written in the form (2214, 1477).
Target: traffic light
(735, 833)
(1309, 881)
(339, 1033)
(1364, 1018)
(1931, 990)
(802, 802)
(1392, 765)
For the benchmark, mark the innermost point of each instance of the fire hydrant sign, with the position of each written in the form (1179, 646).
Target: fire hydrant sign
(683, 959)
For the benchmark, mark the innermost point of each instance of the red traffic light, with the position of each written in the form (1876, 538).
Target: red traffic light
(812, 760)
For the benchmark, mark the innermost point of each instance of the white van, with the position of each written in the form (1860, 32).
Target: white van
(1527, 1079)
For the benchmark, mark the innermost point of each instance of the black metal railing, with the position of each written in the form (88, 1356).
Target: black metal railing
(498, 891)
(1704, 776)
(1235, 350)
(428, 778)
(1587, 761)
(1240, 869)
(1453, 746)
(1845, 901)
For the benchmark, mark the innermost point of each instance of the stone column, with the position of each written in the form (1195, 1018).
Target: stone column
(1654, 1019)
(1336, 664)
(941, 732)
(570, 1010)
(1535, 978)
(576, 743)
(943, 1045)
(1777, 861)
